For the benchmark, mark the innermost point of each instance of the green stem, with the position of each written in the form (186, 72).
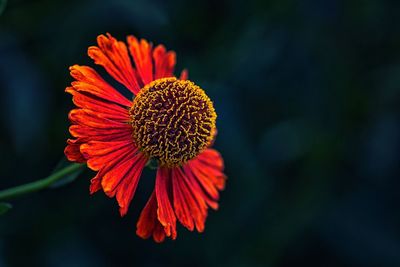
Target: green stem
(40, 184)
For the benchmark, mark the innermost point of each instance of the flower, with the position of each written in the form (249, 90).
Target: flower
(169, 121)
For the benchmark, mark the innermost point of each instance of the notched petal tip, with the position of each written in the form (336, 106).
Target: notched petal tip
(72, 151)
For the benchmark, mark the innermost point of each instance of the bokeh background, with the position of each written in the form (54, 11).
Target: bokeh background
(307, 94)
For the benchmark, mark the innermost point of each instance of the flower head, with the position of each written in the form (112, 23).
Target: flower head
(170, 120)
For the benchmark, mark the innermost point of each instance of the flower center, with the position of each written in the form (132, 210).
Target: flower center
(173, 121)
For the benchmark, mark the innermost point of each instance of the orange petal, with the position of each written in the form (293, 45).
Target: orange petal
(119, 176)
(184, 75)
(164, 62)
(100, 134)
(141, 53)
(92, 119)
(105, 164)
(148, 218)
(158, 233)
(211, 164)
(95, 184)
(204, 187)
(104, 108)
(89, 81)
(116, 170)
(100, 153)
(207, 170)
(190, 207)
(127, 187)
(148, 224)
(165, 212)
(72, 151)
(113, 56)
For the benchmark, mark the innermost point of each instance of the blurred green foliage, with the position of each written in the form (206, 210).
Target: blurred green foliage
(4, 207)
(2, 5)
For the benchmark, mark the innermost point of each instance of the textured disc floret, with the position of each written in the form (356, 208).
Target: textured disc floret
(173, 121)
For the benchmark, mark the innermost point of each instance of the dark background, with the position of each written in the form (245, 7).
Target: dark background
(307, 95)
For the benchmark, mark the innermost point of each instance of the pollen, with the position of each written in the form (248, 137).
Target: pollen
(173, 121)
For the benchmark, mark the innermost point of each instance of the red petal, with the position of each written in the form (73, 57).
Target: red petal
(115, 171)
(148, 218)
(148, 224)
(127, 187)
(119, 176)
(89, 81)
(102, 107)
(92, 119)
(95, 184)
(72, 151)
(190, 207)
(114, 57)
(101, 153)
(158, 233)
(208, 190)
(211, 164)
(164, 62)
(141, 53)
(207, 170)
(100, 134)
(107, 163)
(165, 212)
(184, 75)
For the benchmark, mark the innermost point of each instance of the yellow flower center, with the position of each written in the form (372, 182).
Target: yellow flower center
(173, 121)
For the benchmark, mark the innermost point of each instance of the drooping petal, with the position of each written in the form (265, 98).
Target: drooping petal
(113, 56)
(100, 153)
(211, 164)
(190, 207)
(102, 107)
(105, 164)
(72, 151)
(165, 212)
(120, 165)
(90, 82)
(207, 170)
(148, 218)
(95, 184)
(127, 187)
(205, 188)
(141, 53)
(148, 224)
(164, 62)
(114, 178)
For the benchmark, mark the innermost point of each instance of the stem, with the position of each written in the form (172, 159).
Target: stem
(40, 184)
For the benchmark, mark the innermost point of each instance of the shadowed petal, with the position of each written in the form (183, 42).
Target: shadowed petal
(89, 81)
(164, 62)
(206, 170)
(190, 207)
(184, 75)
(72, 151)
(102, 107)
(148, 224)
(141, 53)
(113, 56)
(127, 187)
(165, 212)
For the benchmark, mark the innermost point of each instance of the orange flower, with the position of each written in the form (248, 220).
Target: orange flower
(169, 121)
